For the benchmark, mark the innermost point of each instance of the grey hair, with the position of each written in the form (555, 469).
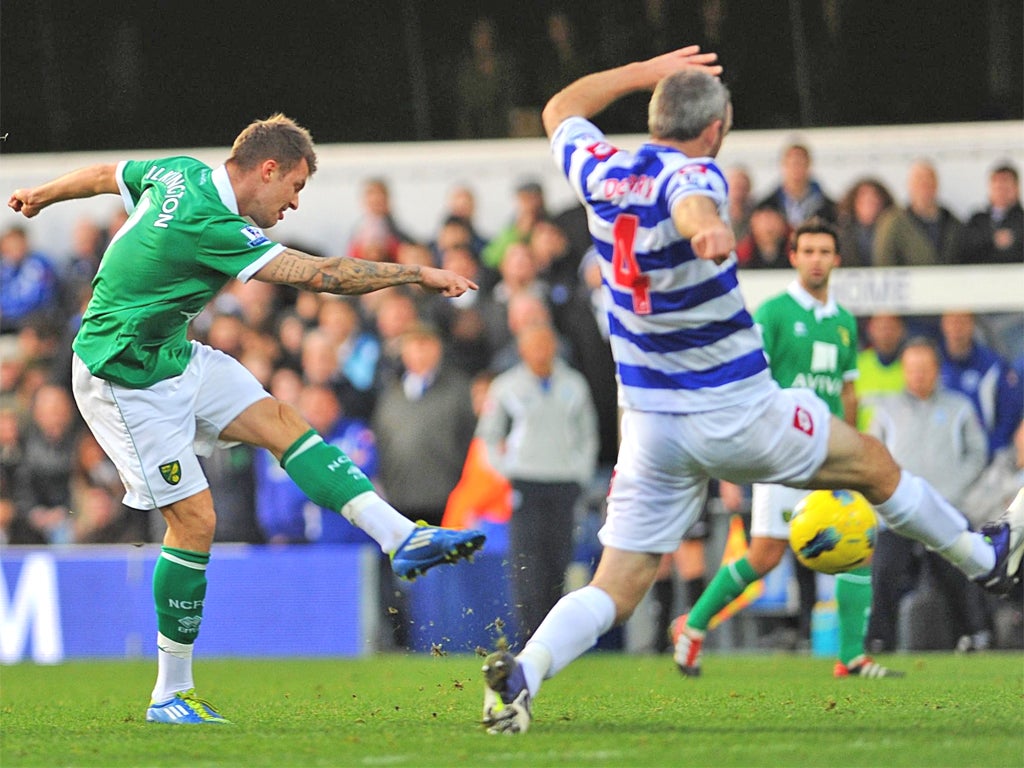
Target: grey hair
(685, 103)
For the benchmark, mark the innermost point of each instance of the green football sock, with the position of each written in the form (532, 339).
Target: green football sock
(179, 588)
(324, 473)
(853, 604)
(726, 586)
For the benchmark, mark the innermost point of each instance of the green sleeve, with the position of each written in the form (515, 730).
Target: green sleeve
(233, 246)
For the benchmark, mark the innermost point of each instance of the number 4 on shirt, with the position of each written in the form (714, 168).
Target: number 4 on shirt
(625, 269)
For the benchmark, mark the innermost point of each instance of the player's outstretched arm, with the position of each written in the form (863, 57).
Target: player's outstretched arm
(696, 218)
(85, 182)
(589, 95)
(348, 276)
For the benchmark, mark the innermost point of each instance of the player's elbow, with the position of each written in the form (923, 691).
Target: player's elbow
(553, 114)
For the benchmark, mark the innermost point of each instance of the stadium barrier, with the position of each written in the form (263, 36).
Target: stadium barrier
(64, 603)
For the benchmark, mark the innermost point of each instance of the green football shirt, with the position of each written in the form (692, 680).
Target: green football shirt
(183, 240)
(808, 344)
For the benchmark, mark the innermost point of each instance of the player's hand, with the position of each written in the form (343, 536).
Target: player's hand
(689, 57)
(714, 243)
(21, 202)
(445, 282)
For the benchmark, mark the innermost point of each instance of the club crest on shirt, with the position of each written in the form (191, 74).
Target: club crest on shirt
(254, 235)
(602, 150)
(171, 472)
(803, 421)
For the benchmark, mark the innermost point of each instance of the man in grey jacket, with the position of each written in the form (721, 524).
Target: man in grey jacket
(540, 427)
(935, 433)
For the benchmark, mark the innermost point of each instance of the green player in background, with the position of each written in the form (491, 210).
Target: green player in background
(154, 399)
(810, 342)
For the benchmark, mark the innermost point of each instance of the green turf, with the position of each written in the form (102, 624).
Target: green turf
(605, 710)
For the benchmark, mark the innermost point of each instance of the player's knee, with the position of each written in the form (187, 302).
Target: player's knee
(879, 470)
(765, 554)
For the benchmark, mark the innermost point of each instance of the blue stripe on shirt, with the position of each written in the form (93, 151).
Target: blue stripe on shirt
(689, 338)
(742, 367)
(684, 298)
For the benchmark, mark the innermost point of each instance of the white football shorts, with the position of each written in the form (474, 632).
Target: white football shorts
(665, 460)
(771, 507)
(153, 435)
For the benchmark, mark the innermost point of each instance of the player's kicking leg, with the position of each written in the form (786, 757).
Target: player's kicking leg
(330, 478)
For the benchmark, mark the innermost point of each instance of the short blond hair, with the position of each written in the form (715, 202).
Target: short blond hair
(277, 138)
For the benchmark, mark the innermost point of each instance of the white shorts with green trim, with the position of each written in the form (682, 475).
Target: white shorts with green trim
(153, 435)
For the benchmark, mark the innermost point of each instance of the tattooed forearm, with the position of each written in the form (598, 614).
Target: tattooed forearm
(338, 274)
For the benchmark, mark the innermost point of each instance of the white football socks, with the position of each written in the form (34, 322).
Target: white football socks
(384, 524)
(174, 669)
(569, 630)
(918, 511)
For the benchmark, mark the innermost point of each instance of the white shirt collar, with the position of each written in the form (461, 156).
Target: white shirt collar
(808, 302)
(224, 188)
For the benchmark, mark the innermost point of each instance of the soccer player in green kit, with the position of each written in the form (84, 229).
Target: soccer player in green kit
(154, 399)
(810, 342)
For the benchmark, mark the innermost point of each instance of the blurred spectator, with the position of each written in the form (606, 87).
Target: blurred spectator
(560, 61)
(101, 518)
(461, 205)
(486, 86)
(483, 495)
(290, 332)
(924, 232)
(396, 314)
(934, 433)
(859, 211)
(12, 366)
(15, 529)
(225, 333)
(28, 281)
(529, 209)
(766, 246)
(87, 244)
(10, 449)
(461, 320)
(357, 353)
(257, 303)
(741, 200)
(799, 196)
(879, 366)
(281, 508)
(524, 309)
(977, 371)
(42, 483)
(578, 329)
(376, 235)
(232, 477)
(423, 423)
(995, 235)
(540, 428)
(518, 273)
(455, 232)
(556, 264)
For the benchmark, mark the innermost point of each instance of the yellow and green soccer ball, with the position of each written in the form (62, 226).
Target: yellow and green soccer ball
(833, 531)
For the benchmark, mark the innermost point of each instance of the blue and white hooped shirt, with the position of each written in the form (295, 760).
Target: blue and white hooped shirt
(681, 336)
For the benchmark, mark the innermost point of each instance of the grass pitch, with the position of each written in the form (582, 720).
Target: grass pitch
(605, 710)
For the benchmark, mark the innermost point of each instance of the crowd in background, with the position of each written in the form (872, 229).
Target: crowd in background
(398, 379)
